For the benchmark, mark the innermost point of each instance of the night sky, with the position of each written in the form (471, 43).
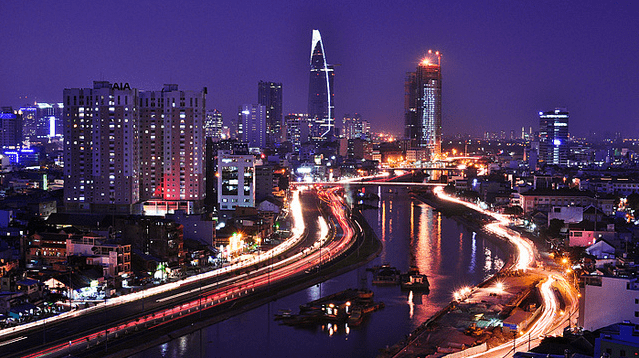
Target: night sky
(503, 61)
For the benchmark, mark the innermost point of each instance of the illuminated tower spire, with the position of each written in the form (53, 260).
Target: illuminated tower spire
(320, 91)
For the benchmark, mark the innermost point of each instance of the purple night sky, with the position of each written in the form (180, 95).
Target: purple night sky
(502, 62)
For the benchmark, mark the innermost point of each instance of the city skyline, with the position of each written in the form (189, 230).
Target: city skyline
(502, 64)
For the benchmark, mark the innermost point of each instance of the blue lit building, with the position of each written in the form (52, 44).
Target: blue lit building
(321, 101)
(25, 157)
(10, 127)
(553, 137)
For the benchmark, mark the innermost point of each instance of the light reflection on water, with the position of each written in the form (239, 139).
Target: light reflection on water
(413, 234)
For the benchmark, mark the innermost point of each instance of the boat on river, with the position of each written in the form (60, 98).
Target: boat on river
(414, 280)
(385, 275)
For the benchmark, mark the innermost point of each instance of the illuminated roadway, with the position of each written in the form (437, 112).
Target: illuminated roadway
(551, 320)
(83, 331)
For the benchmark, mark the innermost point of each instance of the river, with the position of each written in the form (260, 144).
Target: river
(412, 233)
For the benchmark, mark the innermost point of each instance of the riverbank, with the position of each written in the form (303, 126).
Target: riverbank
(474, 318)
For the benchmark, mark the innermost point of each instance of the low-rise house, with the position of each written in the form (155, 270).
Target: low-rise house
(545, 200)
(586, 233)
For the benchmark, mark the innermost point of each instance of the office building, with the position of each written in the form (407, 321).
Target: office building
(172, 149)
(297, 129)
(213, 125)
(553, 137)
(423, 105)
(10, 127)
(42, 121)
(321, 98)
(269, 95)
(252, 125)
(236, 183)
(101, 148)
(354, 127)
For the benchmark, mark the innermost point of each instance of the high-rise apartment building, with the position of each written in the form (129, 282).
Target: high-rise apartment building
(172, 148)
(123, 145)
(423, 105)
(321, 97)
(553, 137)
(213, 125)
(252, 121)
(101, 148)
(269, 95)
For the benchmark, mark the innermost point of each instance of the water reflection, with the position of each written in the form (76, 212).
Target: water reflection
(413, 234)
(473, 254)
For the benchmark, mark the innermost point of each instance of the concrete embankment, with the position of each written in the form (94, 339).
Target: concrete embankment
(473, 320)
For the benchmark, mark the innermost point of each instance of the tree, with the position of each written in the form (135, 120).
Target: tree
(450, 189)
(633, 201)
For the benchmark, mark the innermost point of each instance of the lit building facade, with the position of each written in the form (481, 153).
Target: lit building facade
(321, 97)
(252, 120)
(42, 120)
(423, 105)
(172, 148)
(10, 127)
(607, 300)
(355, 127)
(214, 125)
(297, 130)
(269, 95)
(553, 137)
(236, 180)
(101, 148)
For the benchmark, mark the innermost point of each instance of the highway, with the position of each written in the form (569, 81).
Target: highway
(318, 238)
(551, 321)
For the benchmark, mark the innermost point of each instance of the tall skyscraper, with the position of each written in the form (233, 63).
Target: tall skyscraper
(321, 106)
(101, 148)
(269, 95)
(423, 105)
(252, 118)
(172, 148)
(553, 137)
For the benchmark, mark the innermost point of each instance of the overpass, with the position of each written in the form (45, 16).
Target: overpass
(385, 183)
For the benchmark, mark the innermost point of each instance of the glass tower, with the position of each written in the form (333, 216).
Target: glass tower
(553, 137)
(320, 91)
(269, 94)
(423, 105)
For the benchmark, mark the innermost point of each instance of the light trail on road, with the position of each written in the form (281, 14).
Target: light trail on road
(525, 259)
(525, 248)
(236, 287)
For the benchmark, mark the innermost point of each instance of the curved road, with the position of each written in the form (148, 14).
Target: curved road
(145, 310)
